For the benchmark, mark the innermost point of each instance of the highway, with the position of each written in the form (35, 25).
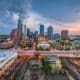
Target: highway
(57, 77)
(72, 62)
(74, 54)
(21, 72)
(33, 73)
(71, 69)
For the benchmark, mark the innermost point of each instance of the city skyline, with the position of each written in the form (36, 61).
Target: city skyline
(63, 14)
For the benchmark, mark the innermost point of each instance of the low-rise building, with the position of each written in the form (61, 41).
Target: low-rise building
(7, 58)
(54, 61)
(43, 46)
(6, 44)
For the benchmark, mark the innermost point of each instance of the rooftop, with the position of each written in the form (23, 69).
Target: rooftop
(5, 55)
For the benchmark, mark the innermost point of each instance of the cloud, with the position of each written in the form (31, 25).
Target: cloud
(72, 17)
(17, 6)
(15, 16)
(77, 11)
(12, 10)
(34, 19)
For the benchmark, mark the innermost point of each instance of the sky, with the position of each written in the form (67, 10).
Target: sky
(60, 14)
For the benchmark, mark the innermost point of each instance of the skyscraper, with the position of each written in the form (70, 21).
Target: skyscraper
(41, 29)
(20, 26)
(50, 33)
(24, 32)
(64, 35)
(36, 33)
(28, 32)
(15, 36)
(57, 36)
(31, 34)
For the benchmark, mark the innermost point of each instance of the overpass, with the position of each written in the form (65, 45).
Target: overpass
(75, 54)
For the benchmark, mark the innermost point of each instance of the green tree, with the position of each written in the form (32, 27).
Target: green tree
(46, 67)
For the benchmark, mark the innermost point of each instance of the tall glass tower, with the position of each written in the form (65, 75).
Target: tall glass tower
(20, 25)
(41, 29)
(28, 32)
(24, 32)
(50, 33)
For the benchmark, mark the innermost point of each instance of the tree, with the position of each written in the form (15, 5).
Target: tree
(46, 67)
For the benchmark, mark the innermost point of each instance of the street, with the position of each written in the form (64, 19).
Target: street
(21, 72)
(57, 77)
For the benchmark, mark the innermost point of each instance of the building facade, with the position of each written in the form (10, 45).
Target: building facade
(20, 25)
(50, 33)
(64, 35)
(28, 32)
(57, 36)
(36, 33)
(41, 29)
(16, 36)
(24, 32)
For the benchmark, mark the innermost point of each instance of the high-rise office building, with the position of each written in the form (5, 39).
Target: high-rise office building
(36, 33)
(20, 27)
(31, 33)
(36, 36)
(57, 36)
(41, 29)
(64, 35)
(50, 33)
(24, 32)
(28, 32)
(15, 36)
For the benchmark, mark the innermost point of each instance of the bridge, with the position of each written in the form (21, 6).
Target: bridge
(71, 54)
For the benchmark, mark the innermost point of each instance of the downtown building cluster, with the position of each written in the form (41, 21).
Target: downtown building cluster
(23, 33)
